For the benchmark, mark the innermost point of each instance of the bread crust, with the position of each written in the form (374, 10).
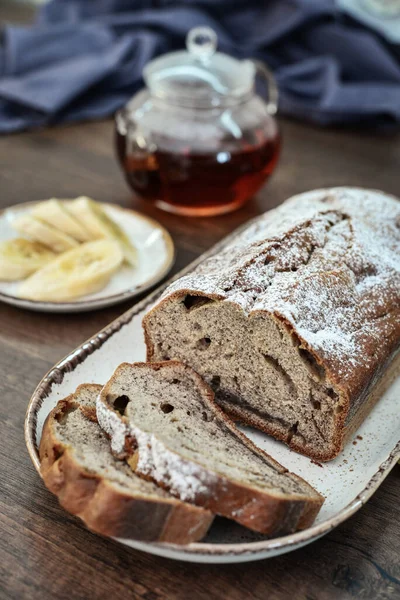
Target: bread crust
(105, 509)
(259, 510)
(358, 388)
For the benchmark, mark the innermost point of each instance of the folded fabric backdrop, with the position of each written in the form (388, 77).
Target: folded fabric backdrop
(83, 59)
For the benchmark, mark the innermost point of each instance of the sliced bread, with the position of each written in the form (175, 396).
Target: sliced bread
(78, 467)
(163, 419)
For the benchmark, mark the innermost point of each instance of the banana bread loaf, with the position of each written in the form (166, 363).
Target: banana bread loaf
(295, 324)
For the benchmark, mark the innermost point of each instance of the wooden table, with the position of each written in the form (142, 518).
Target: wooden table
(45, 553)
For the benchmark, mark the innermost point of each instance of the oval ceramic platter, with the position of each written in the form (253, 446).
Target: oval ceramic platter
(346, 482)
(155, 258)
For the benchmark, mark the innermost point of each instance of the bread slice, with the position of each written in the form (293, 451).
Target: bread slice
(162, 417)
(77, 466)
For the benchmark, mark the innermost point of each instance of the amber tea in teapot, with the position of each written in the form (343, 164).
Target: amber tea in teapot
(199, 141)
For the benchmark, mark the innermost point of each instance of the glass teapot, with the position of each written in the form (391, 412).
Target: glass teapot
(199, 140)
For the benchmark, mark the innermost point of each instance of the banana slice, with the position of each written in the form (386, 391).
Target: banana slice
(99, 224)
(20, 258)
(81, 271)
(41, 232)
(54, 213)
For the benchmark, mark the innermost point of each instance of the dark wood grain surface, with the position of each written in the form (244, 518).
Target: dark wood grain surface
(45, 553)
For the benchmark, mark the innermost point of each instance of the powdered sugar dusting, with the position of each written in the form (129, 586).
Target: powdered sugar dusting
(112, 424)
(182, 478)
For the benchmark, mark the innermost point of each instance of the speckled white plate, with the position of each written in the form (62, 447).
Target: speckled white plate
(155, 258)
(347, 482)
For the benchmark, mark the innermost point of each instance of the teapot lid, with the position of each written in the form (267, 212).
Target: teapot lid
(200, 73)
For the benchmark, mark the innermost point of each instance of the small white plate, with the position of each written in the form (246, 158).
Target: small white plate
(155, 251)
(346, 482)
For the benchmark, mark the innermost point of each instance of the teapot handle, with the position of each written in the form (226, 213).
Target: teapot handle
(266, 74)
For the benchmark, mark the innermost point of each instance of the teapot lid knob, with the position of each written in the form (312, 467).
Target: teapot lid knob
(201, 42)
